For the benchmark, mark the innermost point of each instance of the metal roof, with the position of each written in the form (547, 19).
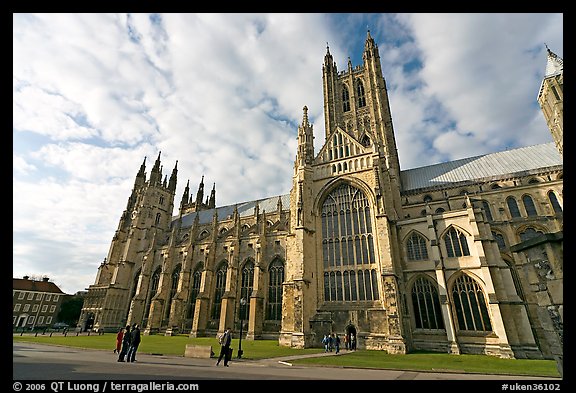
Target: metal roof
(482, 167)
(245, 209)
(460, 171)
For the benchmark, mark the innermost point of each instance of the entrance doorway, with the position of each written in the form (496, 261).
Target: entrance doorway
(351, 338)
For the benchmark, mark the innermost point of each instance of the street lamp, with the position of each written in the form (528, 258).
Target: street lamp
(242, 304)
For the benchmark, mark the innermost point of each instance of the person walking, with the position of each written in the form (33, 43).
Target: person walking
(134, 343)
(325, 342)
(337, 343)
(225, 340)
(125, 344)
(119, 338)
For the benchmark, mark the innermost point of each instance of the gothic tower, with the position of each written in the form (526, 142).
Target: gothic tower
(147, 216)
(551, 98)
(342, 258)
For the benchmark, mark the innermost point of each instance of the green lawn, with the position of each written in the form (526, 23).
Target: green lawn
(262, 349)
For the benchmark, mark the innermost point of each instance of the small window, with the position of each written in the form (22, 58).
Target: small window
(30, 295)
(533, 181)
(456, 243)
(223, 230)
(487, 211)
(513, 207)
(495, 186)
(499, 240)
(17, 307)
(345, 99)
(554, 202)
(157, 221)
(21, 295)
(440, 210)
(26, 307)
(416, 248)
(427, 198)
(529, 206)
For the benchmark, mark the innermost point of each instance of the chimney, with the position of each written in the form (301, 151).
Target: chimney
(26, 277)
(45, 279)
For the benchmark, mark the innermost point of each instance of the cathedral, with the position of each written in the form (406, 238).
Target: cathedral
(457, 257)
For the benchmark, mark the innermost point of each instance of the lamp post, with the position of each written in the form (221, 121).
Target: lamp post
(242, 304)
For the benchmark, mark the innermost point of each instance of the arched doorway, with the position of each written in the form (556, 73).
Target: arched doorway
(351, 338)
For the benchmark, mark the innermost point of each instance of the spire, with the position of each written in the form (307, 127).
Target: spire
(329, 60)
(555, 64)
(200, 194)
(212, 201)
(173, 177)
(370, 48)
(156, 173)
(186, 194)
(142, 171)
(305, 140)
(279, 204)
(305, 117)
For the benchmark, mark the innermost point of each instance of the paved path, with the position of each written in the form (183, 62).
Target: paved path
(33, 361)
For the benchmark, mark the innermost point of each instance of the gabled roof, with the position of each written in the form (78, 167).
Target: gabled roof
(35, 286)
(481, 167)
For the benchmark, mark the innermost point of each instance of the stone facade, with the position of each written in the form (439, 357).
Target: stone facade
(355, 248)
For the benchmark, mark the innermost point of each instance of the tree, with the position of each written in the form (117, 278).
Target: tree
(70, 310)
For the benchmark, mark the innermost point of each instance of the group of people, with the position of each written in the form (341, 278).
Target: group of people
(332, 342)
(127, 342)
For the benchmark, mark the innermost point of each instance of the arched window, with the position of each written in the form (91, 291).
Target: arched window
(456, 244)
(529, 233)
(533, 181)
(135, 283)
(246, 288)
(195, 289)
(275, 280)
(220, 288)
(345, 99)
(529, 206)
(416, 248)
(427, 198)
(470, 305)
(513, 207)
(366, 141)
(157, 221)
(153, 289)
(361, 93)
(499, 238)
(487, 211)
(174, 278)
(440, 210)
(347, 245)
(426, 305)
(554, 202)
(495, 186)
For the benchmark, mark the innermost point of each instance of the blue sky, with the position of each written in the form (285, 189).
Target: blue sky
(93, 94)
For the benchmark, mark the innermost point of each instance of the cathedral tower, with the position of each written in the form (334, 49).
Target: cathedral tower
(551, 98)
(342, 260)
(147, 216)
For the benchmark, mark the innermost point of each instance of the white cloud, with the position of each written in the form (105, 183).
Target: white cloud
(20, 165)
(222, 94)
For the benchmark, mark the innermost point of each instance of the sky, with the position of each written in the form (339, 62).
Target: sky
(222, 94)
